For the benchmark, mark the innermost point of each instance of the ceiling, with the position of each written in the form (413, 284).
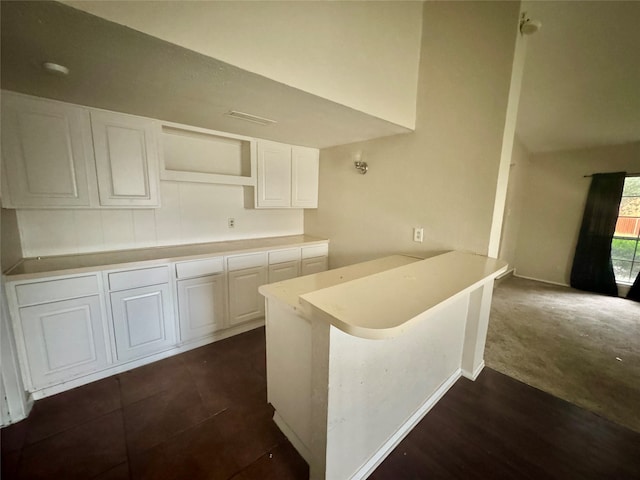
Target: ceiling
(117, 68)
(581, 84)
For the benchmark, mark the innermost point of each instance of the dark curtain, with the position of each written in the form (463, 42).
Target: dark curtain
(592, 268)
(634, 293)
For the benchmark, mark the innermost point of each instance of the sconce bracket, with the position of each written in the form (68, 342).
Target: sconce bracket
(362, 167)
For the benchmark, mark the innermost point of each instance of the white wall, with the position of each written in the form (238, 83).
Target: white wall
(361, 54)
(442, 177)
(514, 203)
(555, 196)
(190, 213)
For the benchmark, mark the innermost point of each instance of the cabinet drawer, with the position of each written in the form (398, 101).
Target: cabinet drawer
(43, 292)
(138, 278)
(315, 251)
(281, 256)
(314, 265)
(284, 271)
(246, 261)
(197, 268)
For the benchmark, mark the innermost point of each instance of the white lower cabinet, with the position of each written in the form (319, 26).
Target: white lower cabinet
(201, 306)
(284, 271)
(315, 259)
(77, 328)
(245, 303)
(143, 321)
(314, 265)
(63, 339)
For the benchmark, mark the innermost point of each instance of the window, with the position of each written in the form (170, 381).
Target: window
(625, 249)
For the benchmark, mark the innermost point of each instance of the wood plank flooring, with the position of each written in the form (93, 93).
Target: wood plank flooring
(203, 415)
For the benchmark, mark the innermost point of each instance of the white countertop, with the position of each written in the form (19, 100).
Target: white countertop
(379, 299)
(70, 264)
(289, 291)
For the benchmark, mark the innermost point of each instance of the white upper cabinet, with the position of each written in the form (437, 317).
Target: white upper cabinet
(274, 174)
(58, 155)
(126, 159)
(287, 176)
(47, 153)
(304, 177)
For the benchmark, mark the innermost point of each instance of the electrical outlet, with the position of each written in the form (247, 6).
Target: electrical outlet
(418, 234)
(232, 222)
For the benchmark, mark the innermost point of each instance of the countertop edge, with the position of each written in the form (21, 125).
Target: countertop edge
(391, 332)
(11, 278)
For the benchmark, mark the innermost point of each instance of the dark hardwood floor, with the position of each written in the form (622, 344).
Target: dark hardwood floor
(203, 415)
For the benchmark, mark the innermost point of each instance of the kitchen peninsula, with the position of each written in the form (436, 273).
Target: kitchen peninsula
(356, 356)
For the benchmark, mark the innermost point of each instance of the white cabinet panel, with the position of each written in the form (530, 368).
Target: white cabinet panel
(142, 321)
(250, 260)
(287, 176)
(321, 250)
(201, 303)
(284, 271)
(52, 290)
(280, 256)
(126, 159)
(197, 268)
(245, 303)
(304, 177)
(314, 265)
(47, 152)
(138, 278)
(63, 339)
(274, 175)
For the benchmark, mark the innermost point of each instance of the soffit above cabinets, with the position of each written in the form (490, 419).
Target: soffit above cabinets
(119, 69)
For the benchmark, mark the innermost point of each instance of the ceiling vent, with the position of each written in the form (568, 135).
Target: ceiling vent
(250, 118)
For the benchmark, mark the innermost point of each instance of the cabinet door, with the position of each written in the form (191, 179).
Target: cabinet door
(126, 159)
(47, 151)
(274, 175)
(314, 265)
(283, 271)
(201, 306)
(304, 177)
(142, 321)
(63, 339)
(245, 303)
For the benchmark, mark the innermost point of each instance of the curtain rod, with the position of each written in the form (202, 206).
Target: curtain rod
(628, 175)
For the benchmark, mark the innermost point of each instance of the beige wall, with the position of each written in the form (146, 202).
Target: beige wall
(190, 213)
(555, 196)
(442, 177)
(361, 54)
(514, 203)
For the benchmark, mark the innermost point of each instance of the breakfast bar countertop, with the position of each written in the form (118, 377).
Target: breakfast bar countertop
(380, 298)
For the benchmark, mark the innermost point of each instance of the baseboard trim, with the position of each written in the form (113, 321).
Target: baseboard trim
(292, 437)
(511, 271)
(373, 463)
(473, 375)
(515, 274)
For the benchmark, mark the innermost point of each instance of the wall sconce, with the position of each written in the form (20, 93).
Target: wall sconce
(362, 167)
(528, 26)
